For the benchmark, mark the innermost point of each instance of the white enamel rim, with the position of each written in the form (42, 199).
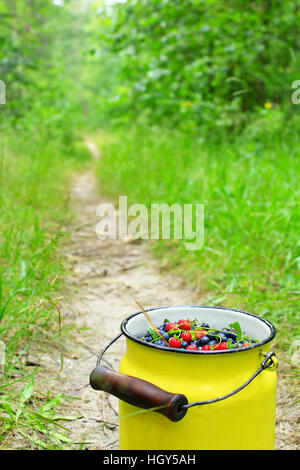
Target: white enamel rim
(218, 317)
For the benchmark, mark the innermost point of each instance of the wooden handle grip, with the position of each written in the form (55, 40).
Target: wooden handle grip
(138, 392)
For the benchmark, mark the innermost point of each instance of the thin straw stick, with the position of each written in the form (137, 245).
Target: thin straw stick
(151, 323)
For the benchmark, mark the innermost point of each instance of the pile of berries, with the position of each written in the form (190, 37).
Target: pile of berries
(194, 336)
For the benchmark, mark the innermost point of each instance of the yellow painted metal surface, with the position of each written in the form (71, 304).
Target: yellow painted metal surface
(245, 420)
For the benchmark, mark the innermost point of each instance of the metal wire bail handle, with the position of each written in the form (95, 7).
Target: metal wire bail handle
(143, 394)
(270, 361)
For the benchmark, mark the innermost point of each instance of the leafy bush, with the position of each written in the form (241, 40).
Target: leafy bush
(40, 55)
(201, 62)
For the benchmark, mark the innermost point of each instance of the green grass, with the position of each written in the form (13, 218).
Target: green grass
(34, 179)
(249, 185)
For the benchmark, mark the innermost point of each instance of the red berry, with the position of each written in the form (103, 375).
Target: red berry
(186, 336)
(245, 345)
(199, 333)
(181, 321)
(174, 343)
(192, 347)
(221, 346)
(170, 326)
(205, 348)
(185, 325)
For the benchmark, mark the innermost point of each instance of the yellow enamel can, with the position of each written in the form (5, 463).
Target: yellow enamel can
(237, 393)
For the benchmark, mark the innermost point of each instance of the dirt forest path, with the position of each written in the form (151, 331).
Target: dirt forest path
(104, 277)
(107, 274)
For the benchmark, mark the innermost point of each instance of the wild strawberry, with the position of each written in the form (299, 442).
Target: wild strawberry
(174, 343)
(185, 325)
(199, 333)
(181, 321)
(186, 336)
(221, 346)
(192, 347)
(205, 348)
(170, 326)
(245, 345)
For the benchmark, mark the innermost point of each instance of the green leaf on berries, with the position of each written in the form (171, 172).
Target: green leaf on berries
(237, 327)
(153, 334)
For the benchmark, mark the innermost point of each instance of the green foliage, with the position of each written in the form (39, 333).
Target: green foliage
(40, 58)
(250, 190)
(200, 62)
(202, 90)
(33, 182)
(41, 50)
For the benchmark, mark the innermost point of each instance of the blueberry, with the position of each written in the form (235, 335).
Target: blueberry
(166, 336)
(223, 337)
(194, 343)
(204, 325)
(204, 340)
(211, 337)
(211, 343)
(229, 333)
(184, 344)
